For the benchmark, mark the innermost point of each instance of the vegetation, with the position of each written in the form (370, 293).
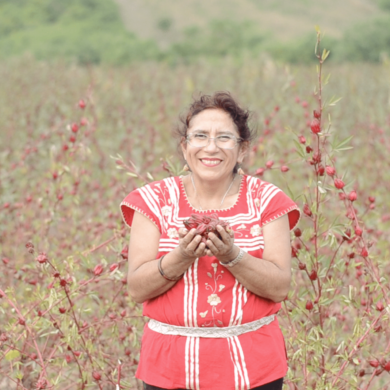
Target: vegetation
(73, 145)
(92, 32)
(89, 31)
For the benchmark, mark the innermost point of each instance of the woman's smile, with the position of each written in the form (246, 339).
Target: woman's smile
(210, 162)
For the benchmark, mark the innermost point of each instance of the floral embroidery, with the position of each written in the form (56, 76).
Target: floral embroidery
(255, 230)
(173, 233)
(257, 202)
(166, 210)
(213, 299)
(242, 226)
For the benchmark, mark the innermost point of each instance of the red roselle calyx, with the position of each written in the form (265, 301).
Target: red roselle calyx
(306, 210)
(339, 184)
(75, 128)
(113, 267)
(302, 139)
(315, 126)
(41, 258)
(379, 306)
(82, 104)
(98, 270)
(205, 224)
(96, 375)
(364, 252)
(374, 363)
(297, 232)
(125, 252)
(3, 337)
(269, 164)
(309, 305)
(330, 171)
(260, 172)
(284, 168)
(317, 114)
(358, 232)
(352, 196)
(313, 275)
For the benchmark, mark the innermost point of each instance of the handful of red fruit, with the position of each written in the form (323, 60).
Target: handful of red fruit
(205, 224)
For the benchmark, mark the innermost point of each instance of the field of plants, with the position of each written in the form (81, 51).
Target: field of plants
(75, 140)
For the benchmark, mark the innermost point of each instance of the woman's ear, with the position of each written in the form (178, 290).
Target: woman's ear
(244, 148)
(183, 146)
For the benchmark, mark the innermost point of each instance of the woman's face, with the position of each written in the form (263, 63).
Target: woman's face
(211, 162)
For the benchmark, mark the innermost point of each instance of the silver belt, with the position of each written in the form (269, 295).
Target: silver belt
(209, 332)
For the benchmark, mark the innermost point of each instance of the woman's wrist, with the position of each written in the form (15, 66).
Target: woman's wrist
(231, 256)
(163, 274)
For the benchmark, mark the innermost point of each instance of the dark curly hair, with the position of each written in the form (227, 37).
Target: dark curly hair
(224, 101)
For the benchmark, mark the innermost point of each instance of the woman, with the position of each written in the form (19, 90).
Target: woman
(212, 305)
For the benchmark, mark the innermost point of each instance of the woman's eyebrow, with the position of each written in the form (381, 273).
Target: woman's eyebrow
(208, 131)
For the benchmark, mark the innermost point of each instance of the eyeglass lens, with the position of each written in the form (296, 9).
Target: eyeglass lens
(202, 140)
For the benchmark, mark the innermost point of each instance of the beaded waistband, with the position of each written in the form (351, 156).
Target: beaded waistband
(209, 332)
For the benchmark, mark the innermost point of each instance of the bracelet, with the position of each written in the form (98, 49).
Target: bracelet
(233, 262)
(162, 272)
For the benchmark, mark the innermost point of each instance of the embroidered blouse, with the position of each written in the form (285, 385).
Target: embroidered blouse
(209, 295)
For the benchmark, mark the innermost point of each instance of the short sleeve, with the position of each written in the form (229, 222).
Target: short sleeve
(275, 203)
(145, 201)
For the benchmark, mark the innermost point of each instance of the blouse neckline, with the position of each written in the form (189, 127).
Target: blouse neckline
(183, 192)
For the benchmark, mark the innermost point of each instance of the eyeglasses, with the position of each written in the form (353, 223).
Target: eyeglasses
(200, 140)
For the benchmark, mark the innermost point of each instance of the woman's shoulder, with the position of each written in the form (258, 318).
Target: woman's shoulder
(259, 184)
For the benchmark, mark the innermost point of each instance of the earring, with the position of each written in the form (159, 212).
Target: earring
(186, 168)
(240, 171)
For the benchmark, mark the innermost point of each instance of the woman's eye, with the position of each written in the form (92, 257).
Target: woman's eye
(224, 138)
(200, 136)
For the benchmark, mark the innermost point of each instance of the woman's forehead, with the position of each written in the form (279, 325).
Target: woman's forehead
(213, 119)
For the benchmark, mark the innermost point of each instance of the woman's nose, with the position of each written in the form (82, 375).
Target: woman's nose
(212, 145)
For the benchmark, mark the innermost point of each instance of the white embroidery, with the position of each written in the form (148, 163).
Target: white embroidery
(255, 230)
(166, 211)
(213, 299)
(173, 233)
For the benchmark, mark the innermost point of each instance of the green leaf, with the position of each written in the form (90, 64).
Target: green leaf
(333, 100)
(300, 149)
(325, 54)
(342, 145)
(132, 174)
(11, 355)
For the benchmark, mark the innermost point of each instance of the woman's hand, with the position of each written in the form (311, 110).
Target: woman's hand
(190, 245)
(223, 249)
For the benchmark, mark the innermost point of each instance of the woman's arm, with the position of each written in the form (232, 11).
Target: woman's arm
(143, 278)
(268, 277)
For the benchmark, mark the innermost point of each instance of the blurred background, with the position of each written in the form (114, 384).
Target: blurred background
(122, 31)
(90, 93)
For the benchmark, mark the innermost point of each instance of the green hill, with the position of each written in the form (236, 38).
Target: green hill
(118, 32)
(284, 19)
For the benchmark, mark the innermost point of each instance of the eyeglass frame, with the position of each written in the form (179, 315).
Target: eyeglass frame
(238, 140)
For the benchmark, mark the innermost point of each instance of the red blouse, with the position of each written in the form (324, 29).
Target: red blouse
(209, 295)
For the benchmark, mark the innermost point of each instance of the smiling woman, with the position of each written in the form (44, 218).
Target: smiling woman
(212, 304)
